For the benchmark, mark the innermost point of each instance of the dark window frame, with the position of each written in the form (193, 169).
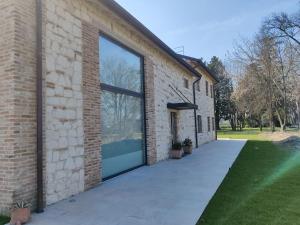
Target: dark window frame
(199, 124)
(130, 50)
(208, 124)
(186, 83)
(119, 90)
(213, 123)
(174, 126)
(198, 86)
(206, 87)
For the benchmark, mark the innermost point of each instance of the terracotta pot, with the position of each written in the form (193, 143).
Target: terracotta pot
(20, 216)
(188, 149)
(176, 154)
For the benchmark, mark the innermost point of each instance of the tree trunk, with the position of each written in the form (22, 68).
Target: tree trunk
(281, 121)
(260, 124)
(260, 127)
(272, 127)
(298, 112)
(218, 124)
(233, 122)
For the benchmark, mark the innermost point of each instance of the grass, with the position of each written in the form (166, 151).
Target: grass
(262, 187)
(246, 133)
(4, 220)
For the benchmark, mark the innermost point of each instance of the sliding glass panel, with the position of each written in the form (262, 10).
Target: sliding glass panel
(119, 67)
(122, 136)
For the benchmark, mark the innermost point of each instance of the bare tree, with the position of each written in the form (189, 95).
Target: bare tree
(270, 80)
(257, 56)
(284, 26)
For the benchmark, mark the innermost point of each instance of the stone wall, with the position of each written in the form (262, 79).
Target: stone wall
(64, 103)
(71, 27)
(17, 102)
(72, 143)
(206, 109)
(166, 75)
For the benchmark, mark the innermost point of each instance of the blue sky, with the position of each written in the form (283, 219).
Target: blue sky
(205, 27)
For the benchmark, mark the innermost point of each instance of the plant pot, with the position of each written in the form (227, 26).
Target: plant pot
(188, 149)
(20, 216)
(176, 154)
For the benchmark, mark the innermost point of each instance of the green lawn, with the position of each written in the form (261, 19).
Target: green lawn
(262, 187)
(247, 133)
(4, 220)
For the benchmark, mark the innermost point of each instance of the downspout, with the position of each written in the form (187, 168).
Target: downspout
(39, 105)
(214, 95)
(195, 111)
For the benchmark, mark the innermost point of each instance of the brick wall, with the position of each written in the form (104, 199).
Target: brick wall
(150, 112)
(17, 102)
(7, 70)
(91, 105)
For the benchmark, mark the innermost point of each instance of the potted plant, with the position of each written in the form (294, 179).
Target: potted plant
(187, 146)
(176, 151)
(20, 213)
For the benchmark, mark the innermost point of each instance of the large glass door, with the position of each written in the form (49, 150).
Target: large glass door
(122, 117)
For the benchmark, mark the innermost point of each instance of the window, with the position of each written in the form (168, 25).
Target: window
(206, 86)
(208, 124)
(213, 123)
(186, 83)
(122, 116)
(199, 121)
(198, 86)
(211, 91)
(119, 67)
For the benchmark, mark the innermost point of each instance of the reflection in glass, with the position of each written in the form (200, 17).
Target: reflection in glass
(121, 113)
(122, 137)
(119, 67)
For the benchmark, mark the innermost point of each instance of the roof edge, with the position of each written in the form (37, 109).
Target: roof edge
(119, 10)
(214, 76)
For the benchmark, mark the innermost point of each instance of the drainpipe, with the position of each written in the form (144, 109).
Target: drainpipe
(195, 111)
(214, 95)
(39, 105)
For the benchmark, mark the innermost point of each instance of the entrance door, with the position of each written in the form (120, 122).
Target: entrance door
(174, 127)
(122, 103)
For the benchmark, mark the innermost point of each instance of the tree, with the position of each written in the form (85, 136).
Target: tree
(257, 57)
(249, 98)
(284, 26)
(268, 82)
(223, 91)
(285, 29)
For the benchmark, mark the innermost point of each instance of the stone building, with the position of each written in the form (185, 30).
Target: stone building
(87, 93)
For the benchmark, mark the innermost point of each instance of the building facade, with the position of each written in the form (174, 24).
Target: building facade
(113, 98)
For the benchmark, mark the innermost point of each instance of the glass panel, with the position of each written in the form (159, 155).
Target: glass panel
(119, 67)
(122, 136)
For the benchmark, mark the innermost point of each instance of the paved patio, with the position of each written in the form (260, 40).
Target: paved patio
(173, 192)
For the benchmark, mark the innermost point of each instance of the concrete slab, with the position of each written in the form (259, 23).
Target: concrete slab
(172, 192)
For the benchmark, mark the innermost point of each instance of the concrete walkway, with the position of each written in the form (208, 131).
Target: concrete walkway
(173, 192)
